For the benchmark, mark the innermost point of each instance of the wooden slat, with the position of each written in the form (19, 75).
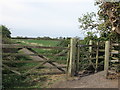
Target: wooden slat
(29, 71)
(115, 65)
(111, 71)
(115, 44)
(62, 52)
(31, 46)
(17, 61)
(47, 73)
(100, 57)
(115, 61)
(115, 52)
(20, 54)
(101, 50)
(115, 58)
(37, 39)
(11, 69)
(41, 67)
(87, 45)
(46, 59)
(52, 67)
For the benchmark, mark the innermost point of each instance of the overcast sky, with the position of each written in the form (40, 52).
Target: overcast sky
(52, 18)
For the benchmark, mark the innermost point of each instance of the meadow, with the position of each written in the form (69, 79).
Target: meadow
(47, 52)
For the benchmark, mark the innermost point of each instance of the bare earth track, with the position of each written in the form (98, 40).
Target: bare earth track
(97, 80)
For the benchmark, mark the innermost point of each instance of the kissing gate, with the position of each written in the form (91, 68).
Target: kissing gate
(96, 55)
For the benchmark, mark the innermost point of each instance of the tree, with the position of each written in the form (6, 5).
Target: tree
(103, 22)
(5, 32)
(110, 13)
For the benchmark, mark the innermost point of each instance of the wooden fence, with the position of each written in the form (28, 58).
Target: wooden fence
(112, 55)
(40, 63)
(101, 50)
(74, 52)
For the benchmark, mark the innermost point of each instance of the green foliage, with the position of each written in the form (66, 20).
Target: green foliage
(101, 22)
(5, 32)
(87, 21)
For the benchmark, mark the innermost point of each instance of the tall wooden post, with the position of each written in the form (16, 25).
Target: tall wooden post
(90, 49)
(97, 56)
(68, 57)
(107, 55)
(71, 65)
(78, 56)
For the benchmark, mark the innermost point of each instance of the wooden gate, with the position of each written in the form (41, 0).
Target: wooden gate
(96, 54)
(39, 63)
(83, 56)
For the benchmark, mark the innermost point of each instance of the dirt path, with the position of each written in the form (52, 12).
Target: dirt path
(92, 81)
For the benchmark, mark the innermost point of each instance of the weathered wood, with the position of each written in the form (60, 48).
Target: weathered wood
(115, 52)
(117, 60)
(86, 45)
(18, 61)
(37, 66)
(46, 59)
(47, 73)
(71, 66)
(97, 56)
(90, 48)
(101, 50)
(68, 57)
(62, 52)
(115, 44)
(41, 67)
(31, 46)
(20, 54)
(78, 57)
(100, 57)
(37, 39)
(107, 55)
(11, 69)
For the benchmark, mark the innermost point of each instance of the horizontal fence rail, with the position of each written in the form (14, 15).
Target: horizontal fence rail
(31, 46)
(37, 39)
(18, 54)
(87, 45)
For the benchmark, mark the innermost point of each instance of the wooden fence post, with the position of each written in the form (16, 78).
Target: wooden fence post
(107, 55)
(68, 57)
(78, 56)
(71, 65)
(97, 55)
(90, 49)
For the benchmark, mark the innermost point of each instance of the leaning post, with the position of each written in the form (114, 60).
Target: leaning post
(107, 55)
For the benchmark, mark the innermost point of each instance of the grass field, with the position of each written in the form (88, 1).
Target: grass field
(38, 42)
(50, 43)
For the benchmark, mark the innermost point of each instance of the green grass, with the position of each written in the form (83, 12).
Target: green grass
(42, 42)
(61, 59)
